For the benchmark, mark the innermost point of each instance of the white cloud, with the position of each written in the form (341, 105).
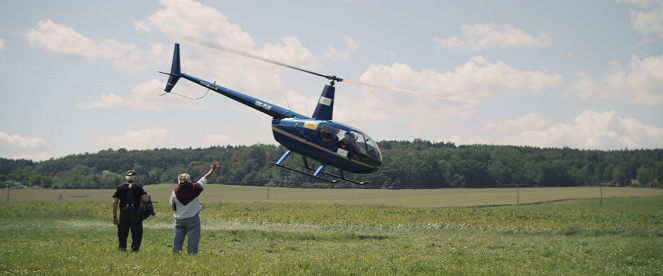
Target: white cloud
(64, 42)
(142, 139)
(214, 139)
(528, 122)
(457, 140)
(466, 85)
(177, 19)
(362, 108)
(17, 147)
(108, 101)
(351, 44)
(145, 96)
(186, 17)
(139, 61)
(333, 54)
(594, 130)
(590, 130)
(650, 21)
(180, 18)
(61, 41)
(289, 50)
(642, 3)
(390, 54)
(492, 36)
(3, 67)
(642, 85)
(470, 81)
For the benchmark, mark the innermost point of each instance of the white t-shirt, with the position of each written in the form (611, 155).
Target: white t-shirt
(186, 211)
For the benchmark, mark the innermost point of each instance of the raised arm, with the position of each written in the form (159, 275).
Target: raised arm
(213, 168)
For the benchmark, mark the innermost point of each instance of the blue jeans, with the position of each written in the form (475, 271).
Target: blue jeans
(186, 226)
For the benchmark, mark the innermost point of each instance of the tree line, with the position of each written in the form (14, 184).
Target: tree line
(417, 164)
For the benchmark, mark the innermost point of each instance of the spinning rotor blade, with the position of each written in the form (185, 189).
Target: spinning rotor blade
(332, 78)
(398, 89)
(224, 48)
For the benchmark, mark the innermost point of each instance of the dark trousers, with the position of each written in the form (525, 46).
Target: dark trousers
(129, 219)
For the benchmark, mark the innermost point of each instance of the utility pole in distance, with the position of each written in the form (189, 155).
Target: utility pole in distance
(601, 185)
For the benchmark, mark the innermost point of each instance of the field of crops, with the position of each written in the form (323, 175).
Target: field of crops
(624, 236)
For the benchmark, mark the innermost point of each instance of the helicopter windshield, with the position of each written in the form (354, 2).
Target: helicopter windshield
(365, 148)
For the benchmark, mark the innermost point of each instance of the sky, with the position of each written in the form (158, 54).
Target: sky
(82, 76)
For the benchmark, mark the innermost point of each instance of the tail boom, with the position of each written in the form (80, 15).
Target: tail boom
(262, 106)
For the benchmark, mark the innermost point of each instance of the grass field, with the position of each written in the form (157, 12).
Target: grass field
(346, 232)
(412, 198)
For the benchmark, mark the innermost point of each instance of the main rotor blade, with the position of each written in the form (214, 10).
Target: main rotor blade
(413, 92)
(398, 89)
(223, 48)
(332, 78)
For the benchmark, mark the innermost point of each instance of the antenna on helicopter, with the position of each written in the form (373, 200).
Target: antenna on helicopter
(288, 102)
(195, 99)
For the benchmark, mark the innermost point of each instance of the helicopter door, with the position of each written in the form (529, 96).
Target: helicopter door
(325, 133)
(342, 141)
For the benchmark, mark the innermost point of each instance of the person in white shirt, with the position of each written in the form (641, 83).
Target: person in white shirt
(185, 204)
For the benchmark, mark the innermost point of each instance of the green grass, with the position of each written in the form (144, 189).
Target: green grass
(574, 237)
(411, 198)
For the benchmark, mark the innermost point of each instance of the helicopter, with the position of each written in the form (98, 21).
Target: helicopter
(318, 137)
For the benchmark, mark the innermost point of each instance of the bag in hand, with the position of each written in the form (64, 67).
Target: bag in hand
(146, 209)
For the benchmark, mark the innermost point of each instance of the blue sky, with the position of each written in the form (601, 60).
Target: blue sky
(81, 76)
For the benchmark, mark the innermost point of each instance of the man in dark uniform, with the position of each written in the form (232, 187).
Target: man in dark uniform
(128, 196)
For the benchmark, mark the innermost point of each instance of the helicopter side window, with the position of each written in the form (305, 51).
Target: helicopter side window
(325, 133)
(341, 139)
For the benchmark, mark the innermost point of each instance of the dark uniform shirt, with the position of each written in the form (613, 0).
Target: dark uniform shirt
(136, 189)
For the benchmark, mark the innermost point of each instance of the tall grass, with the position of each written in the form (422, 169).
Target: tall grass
(261, 238)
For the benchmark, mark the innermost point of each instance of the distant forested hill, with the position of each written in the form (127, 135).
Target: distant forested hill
(417, 164)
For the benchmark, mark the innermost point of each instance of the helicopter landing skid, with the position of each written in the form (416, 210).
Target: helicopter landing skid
(305, 173)
(316, 171)
(340, 177)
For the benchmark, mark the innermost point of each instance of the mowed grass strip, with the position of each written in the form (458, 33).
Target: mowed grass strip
(412, 198)
(574, 237)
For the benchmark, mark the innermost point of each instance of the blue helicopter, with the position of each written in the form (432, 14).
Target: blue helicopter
(341, 146)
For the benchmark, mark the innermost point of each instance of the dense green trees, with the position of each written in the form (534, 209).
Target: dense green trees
(407, 165)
